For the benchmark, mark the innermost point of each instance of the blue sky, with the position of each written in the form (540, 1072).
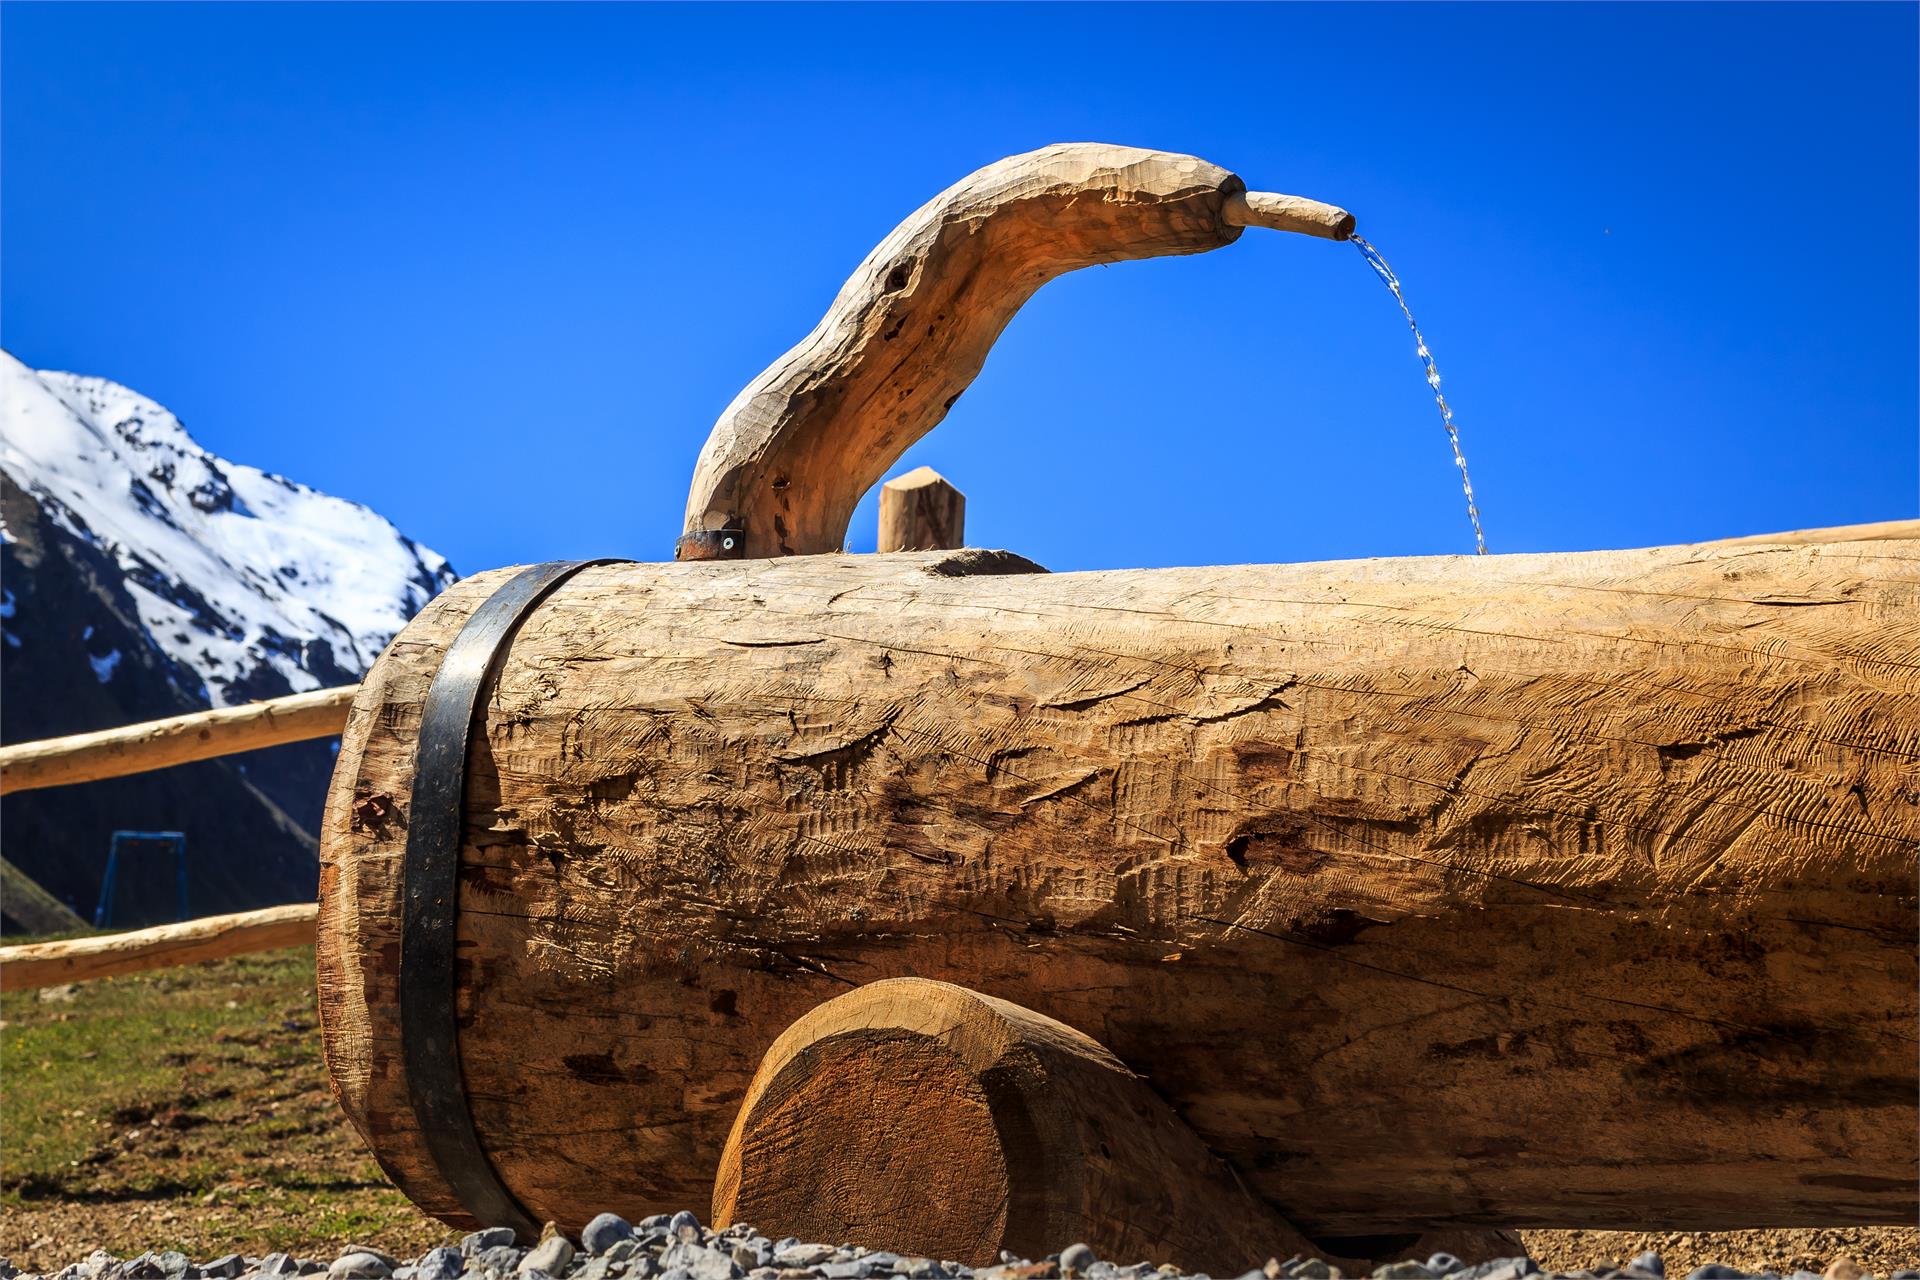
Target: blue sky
(495, 270)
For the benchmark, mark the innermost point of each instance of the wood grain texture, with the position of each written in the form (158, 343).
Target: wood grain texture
(1572, 890)
(921, 511)
(910, 329)
(937, 1122)
(165, 946)
(156, 744)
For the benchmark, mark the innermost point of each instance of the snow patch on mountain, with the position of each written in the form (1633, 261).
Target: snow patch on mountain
(245, 580)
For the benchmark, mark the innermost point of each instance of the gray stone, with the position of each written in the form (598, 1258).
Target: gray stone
(1076, 1260)
(855, 1269)
(1499, 1269)
(552, 1255)
(1715, 1271)
(277, 1264)
(681, 1222)
(1402, 1271)
(1311, 1269)
(491, 1238)
(1444, 1264)
(622, 1250)
(1905, 1275)
(926, 1269)
(440, 1264)
(502, 1258)
(655, 1222)
(381, 1254)
(802, 1255)
(1651, 1263)
(750, 1255)
(605, 1231)
(358, 1266)
(225, 1268)
(700, 1262)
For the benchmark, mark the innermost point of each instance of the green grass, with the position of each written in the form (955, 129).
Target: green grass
(186, 1108)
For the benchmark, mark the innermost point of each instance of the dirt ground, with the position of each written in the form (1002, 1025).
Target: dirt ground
(1880, 1250)
(189, 1110)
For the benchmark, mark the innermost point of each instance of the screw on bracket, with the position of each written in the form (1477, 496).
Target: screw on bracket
(712, 544)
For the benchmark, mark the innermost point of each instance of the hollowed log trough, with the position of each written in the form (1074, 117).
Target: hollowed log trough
(1364, 899)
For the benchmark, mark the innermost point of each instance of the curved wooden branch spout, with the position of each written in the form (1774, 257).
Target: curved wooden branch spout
(793, 453)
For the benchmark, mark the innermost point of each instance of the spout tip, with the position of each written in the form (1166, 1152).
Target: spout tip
(1288, 213)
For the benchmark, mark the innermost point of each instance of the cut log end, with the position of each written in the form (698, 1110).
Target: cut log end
(1040, 1137)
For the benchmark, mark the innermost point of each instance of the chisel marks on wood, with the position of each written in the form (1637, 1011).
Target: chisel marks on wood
(1230, 826)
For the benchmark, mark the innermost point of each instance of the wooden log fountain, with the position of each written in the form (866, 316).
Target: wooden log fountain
(1438, 893)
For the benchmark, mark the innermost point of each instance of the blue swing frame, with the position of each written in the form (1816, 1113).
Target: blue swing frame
(103, 910)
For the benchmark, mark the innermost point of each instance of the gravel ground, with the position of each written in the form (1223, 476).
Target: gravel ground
(680, 1248)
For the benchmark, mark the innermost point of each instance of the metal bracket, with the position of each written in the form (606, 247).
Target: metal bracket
(436, 819)
(712, 544)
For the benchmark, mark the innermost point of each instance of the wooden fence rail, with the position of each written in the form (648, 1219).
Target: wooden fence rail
(47, 964)
(136, 748)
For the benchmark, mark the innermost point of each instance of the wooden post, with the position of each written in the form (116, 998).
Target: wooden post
(921, 511)
(46, 964)
(136, 748)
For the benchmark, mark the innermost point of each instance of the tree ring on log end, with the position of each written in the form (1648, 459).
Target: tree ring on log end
(933, 1120)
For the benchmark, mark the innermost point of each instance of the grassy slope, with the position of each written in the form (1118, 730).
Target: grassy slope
(188, 1109)
(183, 1109)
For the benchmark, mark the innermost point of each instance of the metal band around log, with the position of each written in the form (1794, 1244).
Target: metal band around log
(429, 1028)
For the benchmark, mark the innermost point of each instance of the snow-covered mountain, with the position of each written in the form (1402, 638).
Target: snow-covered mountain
(248, 582)
(142, 576)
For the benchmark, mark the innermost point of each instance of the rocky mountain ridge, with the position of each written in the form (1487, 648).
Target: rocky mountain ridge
(142, 575)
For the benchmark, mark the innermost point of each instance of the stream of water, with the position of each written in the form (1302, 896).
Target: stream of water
(1385, 272)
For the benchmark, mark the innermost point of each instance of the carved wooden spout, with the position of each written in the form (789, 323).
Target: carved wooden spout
(791, 456)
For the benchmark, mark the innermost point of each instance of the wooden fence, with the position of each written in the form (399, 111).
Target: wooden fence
(111, 753)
